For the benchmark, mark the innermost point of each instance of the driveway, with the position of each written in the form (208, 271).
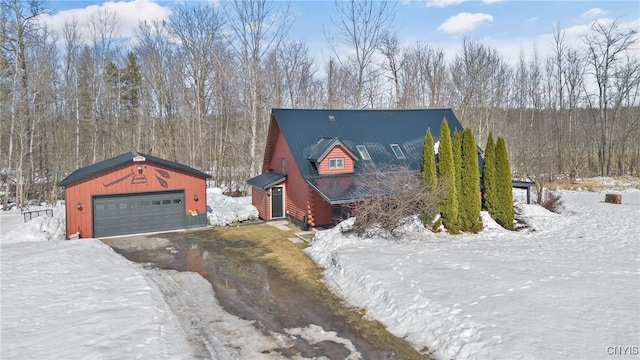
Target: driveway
(301, 320)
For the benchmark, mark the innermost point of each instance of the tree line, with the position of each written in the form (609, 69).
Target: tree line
(198, 89)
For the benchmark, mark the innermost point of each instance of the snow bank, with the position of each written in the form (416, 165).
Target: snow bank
(568, 288)
(42, 228)
(227, 210)
(79, 299)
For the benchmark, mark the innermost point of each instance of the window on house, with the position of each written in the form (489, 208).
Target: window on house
(283, 162)
(340, 213)
(397, 151)
(336, 163)
(364, 153)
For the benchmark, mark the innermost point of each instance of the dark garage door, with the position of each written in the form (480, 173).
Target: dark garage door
(138, 213)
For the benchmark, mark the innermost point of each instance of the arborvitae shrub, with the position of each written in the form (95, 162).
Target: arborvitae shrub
(428, 171)
(469, 204)
(504, 212)
(448, 204)
(456, 148)
(488, 176)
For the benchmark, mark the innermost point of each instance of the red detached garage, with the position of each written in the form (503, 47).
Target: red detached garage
(134, 193)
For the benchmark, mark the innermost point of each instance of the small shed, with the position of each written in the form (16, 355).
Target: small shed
(134, 193)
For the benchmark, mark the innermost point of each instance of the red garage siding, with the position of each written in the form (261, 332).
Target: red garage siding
(128, 179)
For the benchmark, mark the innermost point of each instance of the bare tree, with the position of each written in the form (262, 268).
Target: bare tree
(392, 196)
(19, 28)
(362, 26)
(198, 29)
(255, 34)
(607, 45)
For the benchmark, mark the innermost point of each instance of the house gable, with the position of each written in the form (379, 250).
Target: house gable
(337, 161)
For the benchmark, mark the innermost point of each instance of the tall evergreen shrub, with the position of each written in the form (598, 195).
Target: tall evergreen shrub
(428, 171)
(456, 148)
(488, 176)
(447, 177)
(504, 213)
(469, 203)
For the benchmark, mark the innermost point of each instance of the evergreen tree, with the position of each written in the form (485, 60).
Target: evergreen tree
(456, 148)
(488, 176)
(428, 168)
(469, 203)
(447, 176)
(428, 171)
(504, 195)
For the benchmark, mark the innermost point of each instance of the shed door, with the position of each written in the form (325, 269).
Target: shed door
(277, 205)
(138, 213)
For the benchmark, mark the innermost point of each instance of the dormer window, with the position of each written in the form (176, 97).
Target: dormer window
(336, 163)
(397, 151)
(364, 153)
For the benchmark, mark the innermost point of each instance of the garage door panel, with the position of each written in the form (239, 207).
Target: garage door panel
(136, 213)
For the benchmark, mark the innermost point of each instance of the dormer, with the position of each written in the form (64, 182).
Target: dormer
(331, 156)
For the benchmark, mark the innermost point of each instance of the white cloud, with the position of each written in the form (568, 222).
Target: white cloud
(128, 13)
(594, 12)
(464, 22)
(443, 3)
(491, 1)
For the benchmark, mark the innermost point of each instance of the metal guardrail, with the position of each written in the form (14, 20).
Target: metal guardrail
(30, 214)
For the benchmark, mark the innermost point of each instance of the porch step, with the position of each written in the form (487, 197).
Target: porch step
(305, 235)
(281, 224)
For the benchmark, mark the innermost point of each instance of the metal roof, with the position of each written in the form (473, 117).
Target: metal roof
(114, 162)
(376, 129)
(324, 145)
(267, 179)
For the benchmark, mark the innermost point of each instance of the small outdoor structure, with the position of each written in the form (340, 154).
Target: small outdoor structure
(134, 193)
(314, 159)
(613, 198)
(524, 184)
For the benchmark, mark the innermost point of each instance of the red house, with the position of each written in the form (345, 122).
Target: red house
(313, 158)
(134, 193)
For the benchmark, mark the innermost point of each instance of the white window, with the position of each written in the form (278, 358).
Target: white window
(397, 151)
(364, 153)
(336, 163)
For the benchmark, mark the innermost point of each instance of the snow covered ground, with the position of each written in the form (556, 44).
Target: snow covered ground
(568, 287)
(81, 300)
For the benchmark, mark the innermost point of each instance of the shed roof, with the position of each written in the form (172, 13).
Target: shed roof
(125, 158)
(375, 129)
(267, 179)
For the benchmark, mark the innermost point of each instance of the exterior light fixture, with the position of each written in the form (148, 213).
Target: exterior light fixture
(139, 168)
(79, 206)
(195, 197)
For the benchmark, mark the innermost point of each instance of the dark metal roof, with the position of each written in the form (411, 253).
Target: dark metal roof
(324, 145)
(338, 189)
(114, 162)
(376, 129)
(522, 184)
(267, 179)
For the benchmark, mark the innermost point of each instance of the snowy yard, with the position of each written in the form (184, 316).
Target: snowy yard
(81, 300)
(569, 287)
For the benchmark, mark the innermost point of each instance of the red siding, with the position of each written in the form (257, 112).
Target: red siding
(127, 179)
(320, 210)
(336, 152)
(259, 200)
(295, 192)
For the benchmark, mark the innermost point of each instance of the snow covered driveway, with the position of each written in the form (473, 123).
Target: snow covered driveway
(567, 288)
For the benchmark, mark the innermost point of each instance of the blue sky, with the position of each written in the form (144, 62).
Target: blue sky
(509, 26)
